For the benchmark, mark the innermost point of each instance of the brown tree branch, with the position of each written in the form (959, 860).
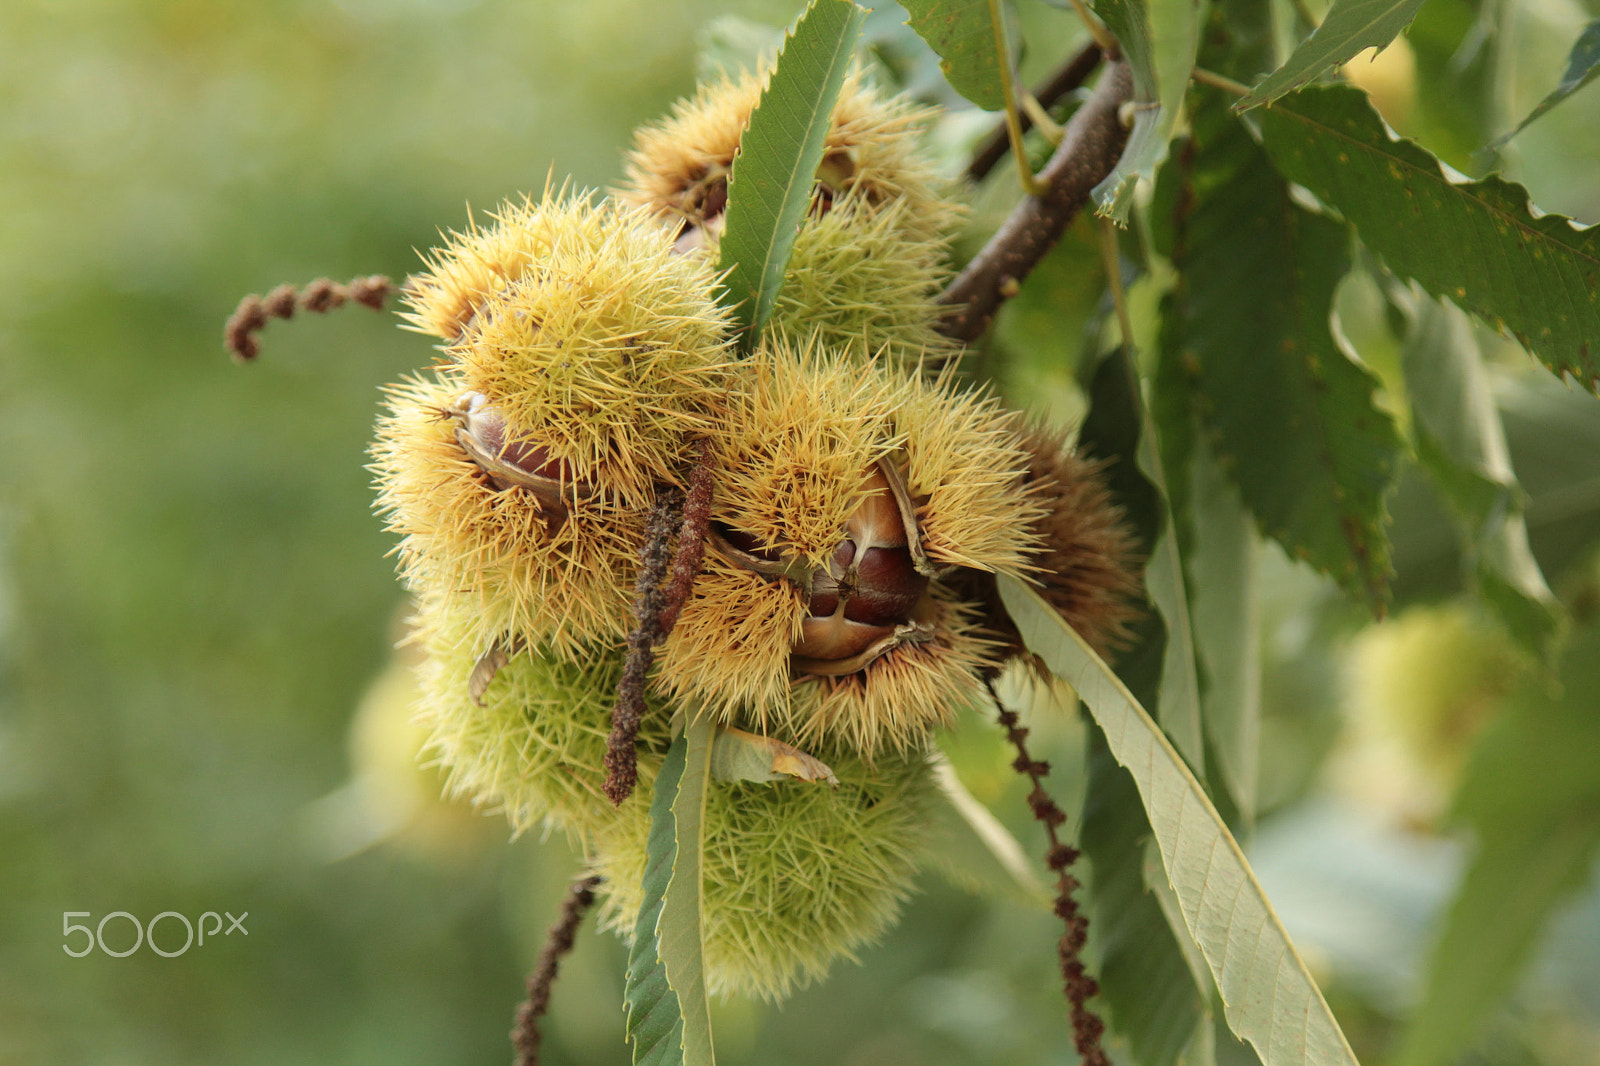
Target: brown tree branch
(1089, 150)
(1070, 76)
(525, 1038)
(321, 296)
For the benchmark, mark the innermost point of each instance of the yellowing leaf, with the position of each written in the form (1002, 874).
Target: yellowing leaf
(740, 756)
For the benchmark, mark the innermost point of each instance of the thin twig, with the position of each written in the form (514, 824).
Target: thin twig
(1096, 28)
(322, 295)
(1076, 982)
(1218, 81)
(1031, 186)
(1089, 151)
(1071, 76)
(525, 1038)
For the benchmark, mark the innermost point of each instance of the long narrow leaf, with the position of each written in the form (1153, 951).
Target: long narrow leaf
(1350, 27)
(679, 931)
(1479, 244)
(973, 849)
(1582, 66)
(1462, 443)
(1156, 1004)
(771, 184)
(655, 1020)
(1269, 996)
(1119, 429)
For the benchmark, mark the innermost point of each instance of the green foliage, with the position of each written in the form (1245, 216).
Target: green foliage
(1159, 39)
(154, 747)
(1291, 418)
(1118, 430)
(655, 1015)
(962, 33)
(1478, 244)
(770, 188)
(1270, 998)
(1582, 66)
(1532, 794)
(1143, 973)
(668, 1021)
(1461, 442)
(1351, 26)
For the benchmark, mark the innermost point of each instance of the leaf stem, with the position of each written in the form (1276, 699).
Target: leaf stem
(1030, 184)
(1096, 28)
(1109, 254)
(1034, 111)
(1218, 81)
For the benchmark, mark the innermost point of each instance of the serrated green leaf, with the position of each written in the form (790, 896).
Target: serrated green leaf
(1268, 994)
(962, 33)
(1159, 38)
(1582, 66)
(740, 756)
(1119, 429)
(1462, 443)
(1290, 417)
(770, 186)
(1480, 244)
(679, 931)
(655, 1019)
(1155, 1003)
(1227, 625)
(668, 1018)
(1351, 26)
(1532, 793)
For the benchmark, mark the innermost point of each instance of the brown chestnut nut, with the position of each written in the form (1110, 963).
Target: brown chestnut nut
(512, 462)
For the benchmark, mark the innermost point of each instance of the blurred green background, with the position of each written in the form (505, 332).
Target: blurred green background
(194, 594)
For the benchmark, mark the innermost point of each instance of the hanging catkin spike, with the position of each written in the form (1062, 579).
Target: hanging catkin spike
(321, 296)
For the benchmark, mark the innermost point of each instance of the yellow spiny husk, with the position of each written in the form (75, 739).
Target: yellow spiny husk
(872, 151)
(729, 651)
(794, 875)
(561, 581)
(802, 430)
(586, 333)
(872, 253)
(535, 747)
(897, 702)
(966, 468)
(1085, 563)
